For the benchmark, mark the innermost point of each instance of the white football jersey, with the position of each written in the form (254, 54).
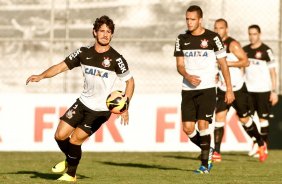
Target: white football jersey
(257, 75)
(100, 71)
(236, 74)
(200, 56)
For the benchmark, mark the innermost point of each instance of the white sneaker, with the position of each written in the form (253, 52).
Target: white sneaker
(254, 150)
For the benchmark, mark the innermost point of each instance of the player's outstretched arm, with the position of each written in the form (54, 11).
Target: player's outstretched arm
(129, 90)
(50, 72)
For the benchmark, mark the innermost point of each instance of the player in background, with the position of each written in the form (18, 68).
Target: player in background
(236, 61)
(261, 80)
(101, 65)
(197, 52)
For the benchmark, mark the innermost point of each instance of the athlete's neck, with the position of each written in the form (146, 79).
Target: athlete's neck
(100, 48)
(256, 45)
(198, 31)
(224, 37)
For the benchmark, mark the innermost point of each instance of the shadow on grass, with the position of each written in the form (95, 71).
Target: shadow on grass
(182, 157)
(144, 166)
(47, 176)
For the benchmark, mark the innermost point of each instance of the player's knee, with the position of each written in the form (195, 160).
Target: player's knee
(77, 138)
(60, 135)
(244, 120)
(188, 130)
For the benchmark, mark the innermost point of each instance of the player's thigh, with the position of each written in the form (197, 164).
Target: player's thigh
(70, 120)
(64, 130)
(252, 102)
(93, 120)
(206, 104)
(78, 136)
(241, 103)
(264, 105)
(188, 107)
(221, 106)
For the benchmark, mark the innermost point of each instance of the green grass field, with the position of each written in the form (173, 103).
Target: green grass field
(141, 168)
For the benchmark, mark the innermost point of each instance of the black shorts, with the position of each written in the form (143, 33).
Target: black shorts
(240, 104)
(198, 105)
(78, 115)
(260, 103)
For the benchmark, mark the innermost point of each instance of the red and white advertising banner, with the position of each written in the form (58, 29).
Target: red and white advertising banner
(28, 123)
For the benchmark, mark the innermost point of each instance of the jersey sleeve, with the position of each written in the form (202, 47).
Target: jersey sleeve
(178, 49)
(219, 48)
(271, 63)
(122, 69)
(73, 60)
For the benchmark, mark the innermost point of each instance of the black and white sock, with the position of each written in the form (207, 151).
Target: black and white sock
(73, 158)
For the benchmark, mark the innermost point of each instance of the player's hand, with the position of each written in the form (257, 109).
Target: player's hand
(229, 97)
(33, 78)
(124, 118)
(193, 79)
(273, 98)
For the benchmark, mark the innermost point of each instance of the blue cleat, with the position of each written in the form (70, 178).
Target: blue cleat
(202, 170)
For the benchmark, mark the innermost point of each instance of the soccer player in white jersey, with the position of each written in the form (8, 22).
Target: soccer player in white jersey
(101, 65)
(237, 61)
(261, 80)
(197, 53)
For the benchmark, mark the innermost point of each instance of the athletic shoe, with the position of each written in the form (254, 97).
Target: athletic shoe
(202, 170)
(254, 150)
(60, 167)
(216, 157)
(66, 177)
(262, 155)
(210, 159)
(265, 151)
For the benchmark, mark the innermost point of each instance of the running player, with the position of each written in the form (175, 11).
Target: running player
(101, 65)
(197, 52)
(236, 60)
(261, 78)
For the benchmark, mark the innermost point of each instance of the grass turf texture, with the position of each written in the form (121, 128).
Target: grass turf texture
(141, 168)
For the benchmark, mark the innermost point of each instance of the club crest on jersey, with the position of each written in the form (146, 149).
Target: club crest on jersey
(107, 62)
(204, 43)
(70, 113)
(258, 55)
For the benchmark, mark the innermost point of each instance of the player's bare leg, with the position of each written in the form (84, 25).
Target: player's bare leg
(74, 154)
(62, 137)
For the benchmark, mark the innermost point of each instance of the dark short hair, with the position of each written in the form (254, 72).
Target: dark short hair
(222, 20)
(104, 20)
(196, 9)
(255, 26)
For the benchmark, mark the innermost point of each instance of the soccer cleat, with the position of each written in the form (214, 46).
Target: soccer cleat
(216, 157)
(254, 150)
(210, 159)
(262, 155)
(202, 170)
(66, 177)
(265, 151)
(60, 167)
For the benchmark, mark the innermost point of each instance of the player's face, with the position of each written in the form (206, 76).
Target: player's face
(193, 21)
(254, 35)
(220, 28)
(103, 35)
